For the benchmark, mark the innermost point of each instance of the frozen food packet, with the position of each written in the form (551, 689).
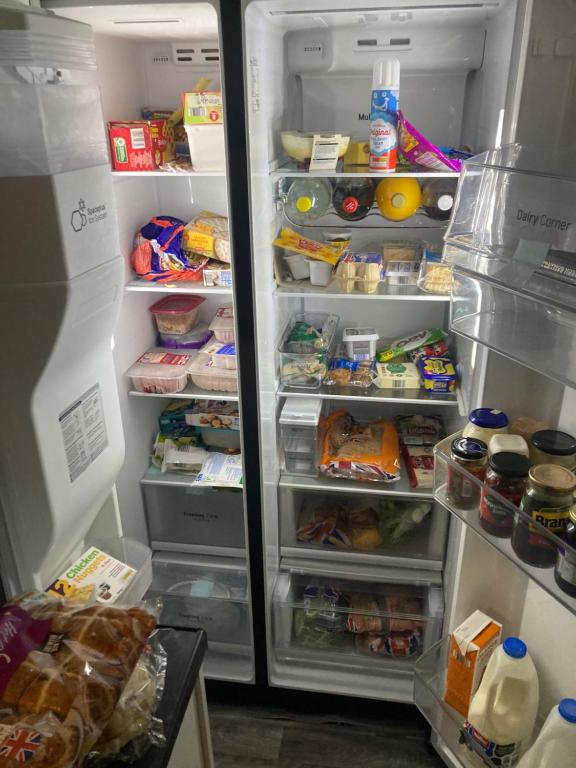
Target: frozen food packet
(420, 151)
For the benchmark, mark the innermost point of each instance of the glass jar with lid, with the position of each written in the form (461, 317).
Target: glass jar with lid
(549, 446)
(484, 423)
(507, 474)
(565, 571)
(472, 456)
(548, 500)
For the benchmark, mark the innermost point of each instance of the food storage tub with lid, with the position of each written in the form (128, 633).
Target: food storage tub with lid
(305, 349)
(223, 324)
(160, 372)
(220, 354)
(207, 376)
(360, 343)
(194, 339)
(176, 314)
(298, 427)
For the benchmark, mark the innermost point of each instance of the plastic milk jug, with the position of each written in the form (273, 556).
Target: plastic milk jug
(384, 115)
(503, 710)
(555, 747)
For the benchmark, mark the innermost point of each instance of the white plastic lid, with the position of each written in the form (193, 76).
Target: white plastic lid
(161, 363)
(301, 411)
(204, 367)
(445, 202)
(386, 75)
(360, 334)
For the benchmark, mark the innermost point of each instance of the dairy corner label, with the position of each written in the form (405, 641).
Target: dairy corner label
(95, 574)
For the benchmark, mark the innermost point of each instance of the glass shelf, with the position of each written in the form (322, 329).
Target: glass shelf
(534, 332)
(167, 174)
(183, 286)
(303, 289)
(372, 395)
(289, 169)
(190, 393)
(400, 488)
(449, 475)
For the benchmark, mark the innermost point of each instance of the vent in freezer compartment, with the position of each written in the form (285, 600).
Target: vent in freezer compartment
(194, 53)
(382, 44)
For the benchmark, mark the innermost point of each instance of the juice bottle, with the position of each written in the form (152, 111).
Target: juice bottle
(308, 200)
(503, 710)
(352, 198)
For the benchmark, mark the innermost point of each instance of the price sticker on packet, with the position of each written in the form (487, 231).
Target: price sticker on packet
(325, 151)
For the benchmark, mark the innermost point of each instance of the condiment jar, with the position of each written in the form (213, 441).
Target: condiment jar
(547, 501)
(472, 456)
(484, 423)
(500, 443)
(565, 571)
(552, 447)
(507, 474)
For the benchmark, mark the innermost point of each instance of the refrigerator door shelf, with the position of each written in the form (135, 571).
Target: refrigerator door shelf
(450, 475)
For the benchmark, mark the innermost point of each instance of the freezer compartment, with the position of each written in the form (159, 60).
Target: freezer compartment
(196, 593)
(370, 626)
(188, 518)
(520, 536)
(536, 331)
(362, 529)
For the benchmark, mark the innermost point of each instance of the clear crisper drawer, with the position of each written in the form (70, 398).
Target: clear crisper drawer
(354, 622)
(187, 518)
(363, 528)
(513, 223)
(197, 594)
(519, 535)
(535, 333)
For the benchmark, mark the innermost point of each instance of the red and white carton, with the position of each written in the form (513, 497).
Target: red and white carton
(140, 145)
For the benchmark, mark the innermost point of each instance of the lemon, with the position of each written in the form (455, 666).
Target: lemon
(398, 198)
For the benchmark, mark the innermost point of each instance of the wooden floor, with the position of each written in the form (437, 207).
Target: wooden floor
(250, 737)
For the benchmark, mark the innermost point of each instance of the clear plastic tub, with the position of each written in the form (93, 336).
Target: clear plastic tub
(160, 372)
(194, 339)
(298, 426)
(137, 556)
(304, 359)
(229, 439)
(300, 456)
(208, 376)
(223, 324)
(360, 343)
(176, 315)
(220, 354)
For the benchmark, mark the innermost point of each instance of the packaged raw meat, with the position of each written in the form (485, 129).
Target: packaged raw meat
(206, 376)
(384, 614)
(176, 314)
(160, 372)
(359, 451)
(68, 664)
(223, 324)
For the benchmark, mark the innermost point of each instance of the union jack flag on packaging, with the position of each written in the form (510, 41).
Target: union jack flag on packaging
(21, 745)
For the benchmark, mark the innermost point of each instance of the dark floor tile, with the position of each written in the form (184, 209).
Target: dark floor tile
(233, 761)
(250, 738)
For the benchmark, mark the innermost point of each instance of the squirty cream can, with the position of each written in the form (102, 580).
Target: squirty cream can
(384, 115)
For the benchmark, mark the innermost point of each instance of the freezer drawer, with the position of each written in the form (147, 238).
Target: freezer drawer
(197, 594)
(371, 626)
(362, 528)
(193, 517)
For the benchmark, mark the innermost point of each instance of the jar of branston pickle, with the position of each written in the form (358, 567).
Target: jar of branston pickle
(548, 499)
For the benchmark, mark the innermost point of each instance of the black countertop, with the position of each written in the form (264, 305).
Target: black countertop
(185, 651)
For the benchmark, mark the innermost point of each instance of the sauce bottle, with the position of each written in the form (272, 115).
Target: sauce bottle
(547, 501)
(565, 571)
(484, 423)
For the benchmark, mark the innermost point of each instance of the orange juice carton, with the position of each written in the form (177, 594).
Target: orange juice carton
(471, 645)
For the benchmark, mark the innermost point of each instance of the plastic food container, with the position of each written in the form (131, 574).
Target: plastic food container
(194, 339)
(207, 148)
(298, 265)
(223, 324)
(298, 426)
(176, 315)
(159, 372)
(208, 376)
(304, 357)
(298, 144)
(360, 343)
(221, 355)
(229, 439)
(320, 272)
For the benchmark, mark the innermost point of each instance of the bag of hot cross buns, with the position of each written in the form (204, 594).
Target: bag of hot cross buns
(63, 668)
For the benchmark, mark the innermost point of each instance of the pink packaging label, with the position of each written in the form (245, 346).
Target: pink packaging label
(164, 358)
(19, 635)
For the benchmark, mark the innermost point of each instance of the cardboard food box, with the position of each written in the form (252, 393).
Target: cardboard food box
(471, 646)
(95, 573)
(140, 145)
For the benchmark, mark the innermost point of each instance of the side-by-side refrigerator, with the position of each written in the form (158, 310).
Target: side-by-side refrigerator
(365, 580)
(78, 432)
